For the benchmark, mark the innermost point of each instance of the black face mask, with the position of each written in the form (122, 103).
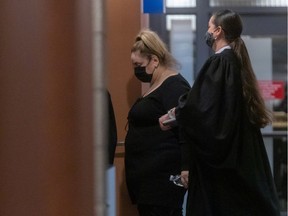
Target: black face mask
(142, 75)
(209, 39)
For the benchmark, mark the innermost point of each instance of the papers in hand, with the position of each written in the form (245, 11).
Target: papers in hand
(170, 122)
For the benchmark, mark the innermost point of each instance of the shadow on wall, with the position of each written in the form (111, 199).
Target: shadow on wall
(133, 90)
(126, 207)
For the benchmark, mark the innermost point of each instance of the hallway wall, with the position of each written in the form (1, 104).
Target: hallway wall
(123, 23)
(46, 139)
(46, 157)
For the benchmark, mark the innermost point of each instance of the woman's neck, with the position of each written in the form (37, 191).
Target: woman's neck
(159, 76)
(220, 44)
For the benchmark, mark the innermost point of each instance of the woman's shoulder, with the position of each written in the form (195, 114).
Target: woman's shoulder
(220, 64)
(226, 59)
(227, 55)
(175, 79)
(175, 83)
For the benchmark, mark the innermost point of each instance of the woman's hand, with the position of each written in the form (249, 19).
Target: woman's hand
(161, 120)
(185, 178)
(168, 116)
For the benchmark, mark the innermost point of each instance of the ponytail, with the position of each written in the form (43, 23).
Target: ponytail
(255, 106)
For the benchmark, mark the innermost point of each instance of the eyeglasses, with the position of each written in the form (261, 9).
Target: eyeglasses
(176, 180)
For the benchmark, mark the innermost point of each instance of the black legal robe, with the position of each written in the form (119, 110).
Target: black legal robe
(229, 172)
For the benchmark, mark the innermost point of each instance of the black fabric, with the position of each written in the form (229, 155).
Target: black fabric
(112, 131)
(229, 172)
(152, 155)
(152, 210)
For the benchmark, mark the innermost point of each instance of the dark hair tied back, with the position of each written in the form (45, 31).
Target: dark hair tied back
(230, 22)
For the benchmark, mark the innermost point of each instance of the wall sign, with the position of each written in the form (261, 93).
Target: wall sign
(153, 6)
(272, 89)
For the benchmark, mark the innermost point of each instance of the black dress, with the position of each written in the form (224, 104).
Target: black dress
(152, 155)
(229, 173)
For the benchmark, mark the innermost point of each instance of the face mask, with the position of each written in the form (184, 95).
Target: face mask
(142, 75)
(209, 39)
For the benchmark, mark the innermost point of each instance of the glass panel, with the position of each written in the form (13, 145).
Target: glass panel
(180, 3)
(181, 30)
(269, 59)
(170, 18)
(260, 3)
(280, 115)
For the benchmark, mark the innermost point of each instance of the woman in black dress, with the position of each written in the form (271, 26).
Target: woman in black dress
(221, 117)
(152, 155)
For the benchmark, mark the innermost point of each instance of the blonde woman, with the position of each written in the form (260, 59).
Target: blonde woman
(152, 155)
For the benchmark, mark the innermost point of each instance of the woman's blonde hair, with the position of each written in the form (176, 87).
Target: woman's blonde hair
(148, 43)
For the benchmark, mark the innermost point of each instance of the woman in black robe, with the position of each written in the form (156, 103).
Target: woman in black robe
(229, 172)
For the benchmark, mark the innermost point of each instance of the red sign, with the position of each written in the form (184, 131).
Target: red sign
(271, 89)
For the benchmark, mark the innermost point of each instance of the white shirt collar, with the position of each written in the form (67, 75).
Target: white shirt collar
(223, 48)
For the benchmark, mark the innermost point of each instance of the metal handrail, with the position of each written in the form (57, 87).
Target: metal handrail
(275, 134)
